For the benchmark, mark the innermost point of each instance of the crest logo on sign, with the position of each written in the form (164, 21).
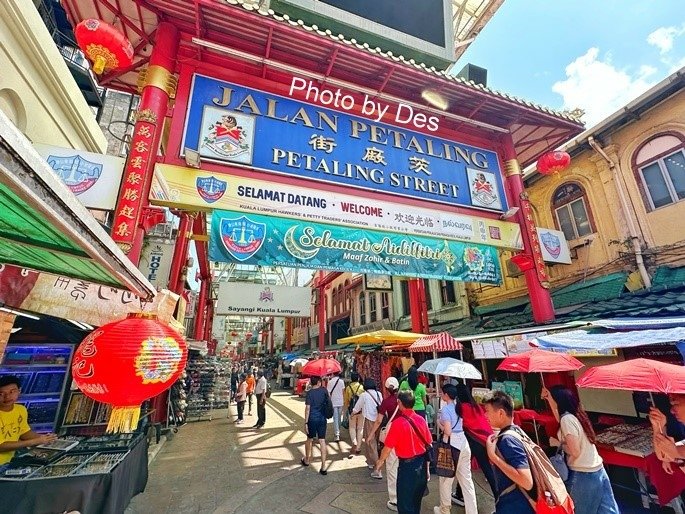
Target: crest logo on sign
(210, 189)
(474, 259)
(242, 237)
(77, 173)
(228, 135)
(266, 295)
(552, 243)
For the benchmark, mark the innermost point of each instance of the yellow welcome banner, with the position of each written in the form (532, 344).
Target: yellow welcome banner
(193, 189)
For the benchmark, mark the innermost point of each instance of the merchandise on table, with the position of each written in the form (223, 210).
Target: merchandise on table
(628, 439)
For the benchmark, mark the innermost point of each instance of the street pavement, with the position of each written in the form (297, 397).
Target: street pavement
(222, 468)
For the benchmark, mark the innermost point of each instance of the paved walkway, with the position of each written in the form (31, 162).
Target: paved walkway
(221, 468)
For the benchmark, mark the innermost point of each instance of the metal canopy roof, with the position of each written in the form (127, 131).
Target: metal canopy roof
(44, 227)
(234, 34)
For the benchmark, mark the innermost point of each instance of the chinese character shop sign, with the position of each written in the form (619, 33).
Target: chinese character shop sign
(229, 123)
(133, 182)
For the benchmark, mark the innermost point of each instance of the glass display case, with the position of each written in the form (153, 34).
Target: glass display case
(43, 370)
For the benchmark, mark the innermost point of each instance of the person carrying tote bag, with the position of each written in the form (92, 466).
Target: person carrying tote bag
(451, 425)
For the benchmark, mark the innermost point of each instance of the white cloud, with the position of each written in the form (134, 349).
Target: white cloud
(663, 37)
(599, 88)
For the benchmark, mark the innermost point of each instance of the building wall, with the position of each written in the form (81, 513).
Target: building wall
(37, 90)
(607, 248)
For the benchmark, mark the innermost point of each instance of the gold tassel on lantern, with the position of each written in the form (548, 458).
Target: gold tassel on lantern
(123, 419)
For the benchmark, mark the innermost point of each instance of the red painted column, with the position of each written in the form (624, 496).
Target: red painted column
(147, 133)
(530, 261)
(200, 317)
(271, 336)
(180, 256)
(423, 306)
(415, 305)
(288, 334)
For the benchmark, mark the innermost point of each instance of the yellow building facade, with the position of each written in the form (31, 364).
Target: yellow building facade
(620, 203)
(37, 90)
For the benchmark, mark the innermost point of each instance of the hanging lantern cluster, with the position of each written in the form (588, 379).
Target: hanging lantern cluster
(126, 362)
(106, 47)
(553, 162)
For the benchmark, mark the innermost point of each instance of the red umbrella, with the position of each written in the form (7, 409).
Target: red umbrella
(540, 361)
(321, 367)
(636, 375)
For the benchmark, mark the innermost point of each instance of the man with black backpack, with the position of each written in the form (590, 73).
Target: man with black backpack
(508, 455)
(356, 421)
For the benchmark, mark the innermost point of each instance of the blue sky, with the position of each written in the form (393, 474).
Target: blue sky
(593, 54)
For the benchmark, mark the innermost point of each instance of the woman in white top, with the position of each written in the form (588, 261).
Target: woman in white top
(368, 404)
(588, 483)
(452, 428)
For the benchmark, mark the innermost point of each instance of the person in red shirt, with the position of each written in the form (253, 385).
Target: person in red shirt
(477, 429)
(409, 436)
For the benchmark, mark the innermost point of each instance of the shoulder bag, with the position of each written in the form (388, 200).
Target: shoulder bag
(447, 457)
(430, 451)
(558, 460)
(384, 431)
(329, 405)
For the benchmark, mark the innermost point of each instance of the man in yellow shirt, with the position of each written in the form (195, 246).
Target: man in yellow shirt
(15, 432)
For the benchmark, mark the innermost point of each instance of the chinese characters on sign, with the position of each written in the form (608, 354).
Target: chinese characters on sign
(133, 183)
(534, 241)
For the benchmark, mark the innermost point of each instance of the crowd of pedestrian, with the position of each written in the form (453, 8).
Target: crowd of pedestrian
(392, 431)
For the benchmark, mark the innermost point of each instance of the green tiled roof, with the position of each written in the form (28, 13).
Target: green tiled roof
(656, 302)
(666, 276)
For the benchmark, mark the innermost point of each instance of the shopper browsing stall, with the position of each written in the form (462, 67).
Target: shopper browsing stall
(15, 432)
(588, 483)
(240, 398)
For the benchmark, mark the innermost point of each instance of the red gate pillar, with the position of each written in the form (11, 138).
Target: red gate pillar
(322, 317)
(271, 336)
(180, 257)
(288, 334)
(530, 261)
(200, 317)
(159, 85)
(417, 306)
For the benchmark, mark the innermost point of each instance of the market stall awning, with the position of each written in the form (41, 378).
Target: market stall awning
(44, 227)
(601, 339)
(442, 342)
(381, 336)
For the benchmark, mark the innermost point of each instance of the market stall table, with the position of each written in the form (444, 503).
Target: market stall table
(101, 493)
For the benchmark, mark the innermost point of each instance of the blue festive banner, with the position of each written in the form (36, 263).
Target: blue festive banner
(273, 241)
(240, 126)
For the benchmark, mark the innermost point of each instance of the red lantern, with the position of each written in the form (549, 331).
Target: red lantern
(553, 162)
(106, 47)
(126, 362)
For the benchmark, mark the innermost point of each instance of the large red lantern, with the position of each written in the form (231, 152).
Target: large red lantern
(126, 362)
(553, 162)
(106, 47)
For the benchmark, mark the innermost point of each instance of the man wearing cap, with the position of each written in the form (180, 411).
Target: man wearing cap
(388, 409)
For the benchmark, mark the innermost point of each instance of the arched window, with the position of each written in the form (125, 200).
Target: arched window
(385, 306)
(373, 310)
(346, 290)
(660, 170)
(362, 308)
(572, 211)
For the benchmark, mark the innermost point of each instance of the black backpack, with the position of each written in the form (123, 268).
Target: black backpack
(353, 400)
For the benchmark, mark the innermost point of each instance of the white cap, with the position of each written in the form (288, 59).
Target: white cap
(392, 383)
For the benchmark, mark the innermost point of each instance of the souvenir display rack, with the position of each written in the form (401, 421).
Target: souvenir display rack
(222, 387)
(200, 381)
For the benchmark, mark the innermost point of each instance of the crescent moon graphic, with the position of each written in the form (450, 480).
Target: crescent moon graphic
(294, 249)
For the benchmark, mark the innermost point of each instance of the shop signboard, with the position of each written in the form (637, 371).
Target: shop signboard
(155, 261)
(193, 189)
(271, 241)
(240, 126)
(520, 343)
(68, 298)
(494, 348)
(94, 178)
(554, 246)
(241, 298)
